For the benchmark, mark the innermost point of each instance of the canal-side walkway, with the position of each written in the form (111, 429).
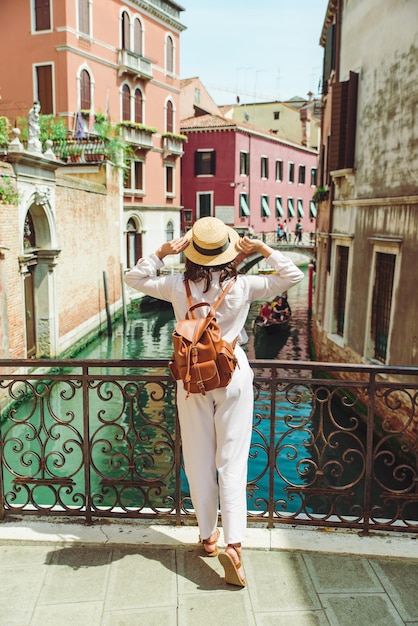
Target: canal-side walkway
(136, 574)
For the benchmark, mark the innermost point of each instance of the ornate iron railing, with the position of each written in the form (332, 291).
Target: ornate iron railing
(333, 445)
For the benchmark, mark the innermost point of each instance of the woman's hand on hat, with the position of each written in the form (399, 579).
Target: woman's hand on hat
(249, 246)
(175, 246)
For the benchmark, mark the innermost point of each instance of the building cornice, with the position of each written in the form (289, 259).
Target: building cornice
(388, 201)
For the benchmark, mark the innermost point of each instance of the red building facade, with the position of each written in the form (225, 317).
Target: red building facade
(245, 176)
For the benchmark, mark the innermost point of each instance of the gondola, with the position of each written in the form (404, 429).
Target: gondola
(273, 325)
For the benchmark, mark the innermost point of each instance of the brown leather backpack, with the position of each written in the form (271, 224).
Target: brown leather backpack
(201, 358)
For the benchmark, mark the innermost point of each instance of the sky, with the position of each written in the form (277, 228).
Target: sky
(259, 50)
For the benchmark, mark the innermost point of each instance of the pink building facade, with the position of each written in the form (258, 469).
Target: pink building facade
(246, 176)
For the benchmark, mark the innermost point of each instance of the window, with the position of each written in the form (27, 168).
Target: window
(279, 170)
(85, 90)
(138, 37)
(169, 180)
(313, 176)
(126, 31)
(187, 216)
(169, 231)
(312, 209)
(133, 244)
(302, 173)
(169, 59)
(244, 209)
(343, 124)
(204, 163)
(301, 212)
(43, 88)
(264, 167)
(382, 303)
(291, 172)
(197, 95)
(134, 176)
(340, 294)
(126, 103)
(276, 115)
(265, 209)
(169, 117)
(279, 207)
(138, 106)
(290, 208)
(84, 17)
(204, 204)
(42, 14)
(244, 163)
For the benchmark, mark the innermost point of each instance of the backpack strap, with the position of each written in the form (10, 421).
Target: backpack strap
(218, 301)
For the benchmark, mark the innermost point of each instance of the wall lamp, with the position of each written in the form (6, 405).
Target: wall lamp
(235, 185)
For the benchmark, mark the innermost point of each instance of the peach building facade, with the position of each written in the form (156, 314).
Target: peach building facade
(112, 57)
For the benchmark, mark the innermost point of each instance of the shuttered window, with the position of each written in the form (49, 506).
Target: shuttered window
(138, 37)
(44, 89)
(169, 117)
(205, 163)
(83, 17)
(126, 103)
(343, 124)
(170, 55)
(85, 90)
(169, 179)
(341, 288)
(126, 26)
(42, 10)
(138, 106)
(382, 303)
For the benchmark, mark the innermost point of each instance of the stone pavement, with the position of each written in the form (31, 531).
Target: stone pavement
(135, 574)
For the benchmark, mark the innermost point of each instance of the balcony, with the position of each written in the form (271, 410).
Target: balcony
(173, 144)
(103, 442)
(134, 64)
(137, 135)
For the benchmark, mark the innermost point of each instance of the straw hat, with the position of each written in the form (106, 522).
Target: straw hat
(211, 242)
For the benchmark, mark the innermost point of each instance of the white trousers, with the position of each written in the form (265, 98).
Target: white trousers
(216, 435)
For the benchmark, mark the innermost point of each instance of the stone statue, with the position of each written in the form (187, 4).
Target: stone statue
(34, 130)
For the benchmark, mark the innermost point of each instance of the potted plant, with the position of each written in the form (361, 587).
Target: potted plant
(321, 194)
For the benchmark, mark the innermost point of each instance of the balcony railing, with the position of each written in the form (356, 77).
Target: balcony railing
(137, 136)
(132, 63)
(97, 439)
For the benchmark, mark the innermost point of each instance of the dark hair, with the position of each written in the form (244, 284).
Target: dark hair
(196, 273)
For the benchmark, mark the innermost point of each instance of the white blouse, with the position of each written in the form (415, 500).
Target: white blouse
(233, 311)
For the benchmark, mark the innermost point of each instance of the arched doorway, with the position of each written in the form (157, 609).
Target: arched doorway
(29, 245)
(36, 265)
(133, 242)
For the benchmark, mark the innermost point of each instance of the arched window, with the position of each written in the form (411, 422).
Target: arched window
(138, 37)
(169, 61)
(126, 103)
(138, 106)
(133, 243)
(85, 90)
(126, 34)
(169, 117)
(170, 231)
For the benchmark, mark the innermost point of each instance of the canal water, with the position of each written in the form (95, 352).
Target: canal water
(148, 334)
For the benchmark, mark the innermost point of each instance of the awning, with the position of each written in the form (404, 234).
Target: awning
(279, 209)
(265, 211)
(301, 212)
(243, 204)
(290, 209)
(312, 209)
